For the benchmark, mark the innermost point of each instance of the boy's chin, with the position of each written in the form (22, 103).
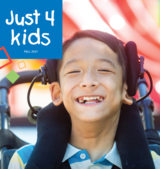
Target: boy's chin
(90, 118)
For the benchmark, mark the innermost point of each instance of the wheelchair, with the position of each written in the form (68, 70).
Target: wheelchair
(9, 142)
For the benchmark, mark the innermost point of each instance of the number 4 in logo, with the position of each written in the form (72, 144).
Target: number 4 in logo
(50, 19)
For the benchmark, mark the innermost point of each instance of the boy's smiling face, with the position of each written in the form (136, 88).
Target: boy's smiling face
(90, 68)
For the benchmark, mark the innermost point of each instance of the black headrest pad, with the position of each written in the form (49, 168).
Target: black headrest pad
(133, 67)
(51, 66)
(54, 127)
(131, 140)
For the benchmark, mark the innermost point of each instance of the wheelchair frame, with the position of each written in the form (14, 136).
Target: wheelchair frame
(8, 140)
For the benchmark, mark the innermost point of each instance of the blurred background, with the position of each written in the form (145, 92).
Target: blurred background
(128, 20)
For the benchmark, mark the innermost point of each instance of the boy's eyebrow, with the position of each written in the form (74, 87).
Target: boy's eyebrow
(71, 61)
(101, 59)
(106, 60)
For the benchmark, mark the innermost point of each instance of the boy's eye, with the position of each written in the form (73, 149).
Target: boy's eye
(104, 70)
(99, 70)
(74, 71)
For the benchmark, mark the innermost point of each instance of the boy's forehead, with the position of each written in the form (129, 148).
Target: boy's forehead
(87, 46)
(90, 52)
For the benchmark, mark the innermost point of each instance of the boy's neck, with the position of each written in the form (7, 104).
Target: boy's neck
(96, 137)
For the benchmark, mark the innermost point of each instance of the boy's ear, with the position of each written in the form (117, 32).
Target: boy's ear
(126, 99)
(56, 95)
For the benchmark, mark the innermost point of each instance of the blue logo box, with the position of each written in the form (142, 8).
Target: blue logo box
(31, 29)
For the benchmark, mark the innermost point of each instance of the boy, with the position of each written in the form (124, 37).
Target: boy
(92, 86)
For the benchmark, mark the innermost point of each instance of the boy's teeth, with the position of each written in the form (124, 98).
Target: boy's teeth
(90, 99)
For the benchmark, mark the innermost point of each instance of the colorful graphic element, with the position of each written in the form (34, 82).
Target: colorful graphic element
(10, 61)
(21, 64)
(12, 76)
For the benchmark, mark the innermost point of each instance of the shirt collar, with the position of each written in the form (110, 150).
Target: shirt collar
(70, 151)
(112, 156)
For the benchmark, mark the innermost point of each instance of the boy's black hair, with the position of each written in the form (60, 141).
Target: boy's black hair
(115, 44)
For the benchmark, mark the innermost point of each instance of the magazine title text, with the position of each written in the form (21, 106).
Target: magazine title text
(34, 38)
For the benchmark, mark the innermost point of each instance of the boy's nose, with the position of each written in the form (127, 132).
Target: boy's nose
(87, 84)
(89, 81)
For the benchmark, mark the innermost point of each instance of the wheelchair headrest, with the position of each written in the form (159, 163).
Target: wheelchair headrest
(54, 127)
(133, 68)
